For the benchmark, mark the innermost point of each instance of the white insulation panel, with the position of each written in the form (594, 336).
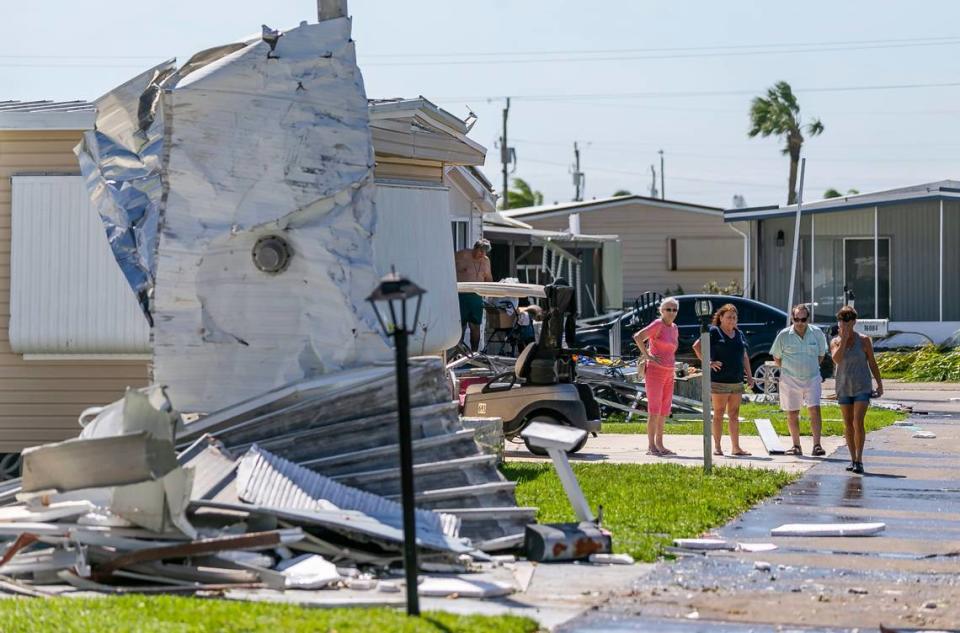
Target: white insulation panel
(67, 295)
(413, 236)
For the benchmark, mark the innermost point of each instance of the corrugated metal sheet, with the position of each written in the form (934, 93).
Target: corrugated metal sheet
(67, 294)
(46, 106)
(269, 480)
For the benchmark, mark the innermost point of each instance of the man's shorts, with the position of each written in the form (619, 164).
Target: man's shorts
(796, 394)
(471, 308)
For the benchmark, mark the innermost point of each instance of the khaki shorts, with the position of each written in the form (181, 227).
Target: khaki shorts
(721, 388)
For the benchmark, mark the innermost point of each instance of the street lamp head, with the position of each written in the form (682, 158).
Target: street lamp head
(394, 291)
(703, 307)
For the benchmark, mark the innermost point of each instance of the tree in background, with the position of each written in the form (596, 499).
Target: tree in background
(622, 192)
(733, 288)
(833, 193)
(522, 195)
(778, 114)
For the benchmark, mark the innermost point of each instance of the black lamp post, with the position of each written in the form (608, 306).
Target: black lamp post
(704, 308)
(394, 292)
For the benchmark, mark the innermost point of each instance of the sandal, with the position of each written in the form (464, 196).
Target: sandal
(718, 453)
(795, 450)
(818, 451)
(666, 451)
(654, 452)
(741, 453)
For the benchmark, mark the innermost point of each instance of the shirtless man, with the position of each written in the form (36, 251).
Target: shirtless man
(473, 265)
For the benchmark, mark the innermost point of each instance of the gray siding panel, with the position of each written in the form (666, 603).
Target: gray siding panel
(914, 232)
(951, 261)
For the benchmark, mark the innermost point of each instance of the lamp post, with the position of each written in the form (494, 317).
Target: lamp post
(394, 292)
(704, 308)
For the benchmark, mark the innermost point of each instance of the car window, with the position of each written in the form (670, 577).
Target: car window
(687, 314)
(747, 313)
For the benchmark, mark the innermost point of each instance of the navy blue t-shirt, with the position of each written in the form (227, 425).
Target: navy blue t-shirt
(728, 351)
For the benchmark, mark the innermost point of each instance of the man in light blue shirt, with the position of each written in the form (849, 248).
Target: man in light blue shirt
(798, 350)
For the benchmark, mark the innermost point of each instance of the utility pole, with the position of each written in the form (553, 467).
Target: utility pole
(663, 186)
(331, 9)
(507, 155)
(578, 178)
(653, 182)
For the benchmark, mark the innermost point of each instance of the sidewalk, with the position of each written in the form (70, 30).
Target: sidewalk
(632, 448)
(908, 576)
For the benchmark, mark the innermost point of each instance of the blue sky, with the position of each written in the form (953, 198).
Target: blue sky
(459, 54)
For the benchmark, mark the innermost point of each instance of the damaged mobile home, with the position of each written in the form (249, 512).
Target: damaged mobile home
(241, 201)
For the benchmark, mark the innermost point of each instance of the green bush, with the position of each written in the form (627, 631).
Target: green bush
(927, 364)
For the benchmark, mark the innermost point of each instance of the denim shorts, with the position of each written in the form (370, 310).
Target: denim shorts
(860, 397)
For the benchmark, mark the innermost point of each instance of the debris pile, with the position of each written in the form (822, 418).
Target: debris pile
(295, 488)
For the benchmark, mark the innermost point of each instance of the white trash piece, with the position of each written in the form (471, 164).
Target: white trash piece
(461, 588)
(701, 543)
(924, 435)
(310, 571)
(611, 559)
(828, 529)
(761, 565)
(756, 547)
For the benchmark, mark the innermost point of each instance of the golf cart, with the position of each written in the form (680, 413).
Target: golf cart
(541, 386)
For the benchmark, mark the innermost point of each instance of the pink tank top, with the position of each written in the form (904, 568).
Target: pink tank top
(662, 342)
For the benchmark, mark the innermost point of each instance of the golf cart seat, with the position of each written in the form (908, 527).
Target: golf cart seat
(508, 379)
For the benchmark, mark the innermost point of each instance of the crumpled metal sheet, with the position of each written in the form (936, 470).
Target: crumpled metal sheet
(190, 168)
(269, 480)
(121, 162)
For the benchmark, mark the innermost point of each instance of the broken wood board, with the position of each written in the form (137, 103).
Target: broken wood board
(769, 437)
(828, 529)
(702, 543)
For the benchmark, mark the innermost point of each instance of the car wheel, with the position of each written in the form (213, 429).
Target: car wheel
(766, 378)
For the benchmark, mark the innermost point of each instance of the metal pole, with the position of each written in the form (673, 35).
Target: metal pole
(705, 393)
(663, 186)
(876, 264)
(796, 242)
(406, 472)
(505, 157)
(813, 236)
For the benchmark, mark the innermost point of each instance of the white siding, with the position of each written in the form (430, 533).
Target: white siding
(68, 296)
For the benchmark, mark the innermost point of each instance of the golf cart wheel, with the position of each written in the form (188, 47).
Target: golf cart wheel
(536, 450)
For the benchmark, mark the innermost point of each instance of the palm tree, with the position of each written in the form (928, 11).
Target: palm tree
(523, 195)
(778, 114)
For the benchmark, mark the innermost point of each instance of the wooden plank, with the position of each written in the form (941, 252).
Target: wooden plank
(769, 436)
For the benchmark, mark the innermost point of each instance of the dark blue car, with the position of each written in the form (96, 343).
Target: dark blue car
(759, 322)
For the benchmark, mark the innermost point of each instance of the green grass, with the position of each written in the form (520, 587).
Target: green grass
(169, 614)
(832, 421)
(926, 364)
(646, 506)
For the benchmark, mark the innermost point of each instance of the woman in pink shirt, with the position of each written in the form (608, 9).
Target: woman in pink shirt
(658, 346)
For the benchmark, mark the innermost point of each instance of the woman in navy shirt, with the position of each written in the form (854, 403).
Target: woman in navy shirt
(729, 367)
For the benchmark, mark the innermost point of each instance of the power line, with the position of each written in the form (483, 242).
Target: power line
(622, 58)
(703, 93)
(931, 39)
